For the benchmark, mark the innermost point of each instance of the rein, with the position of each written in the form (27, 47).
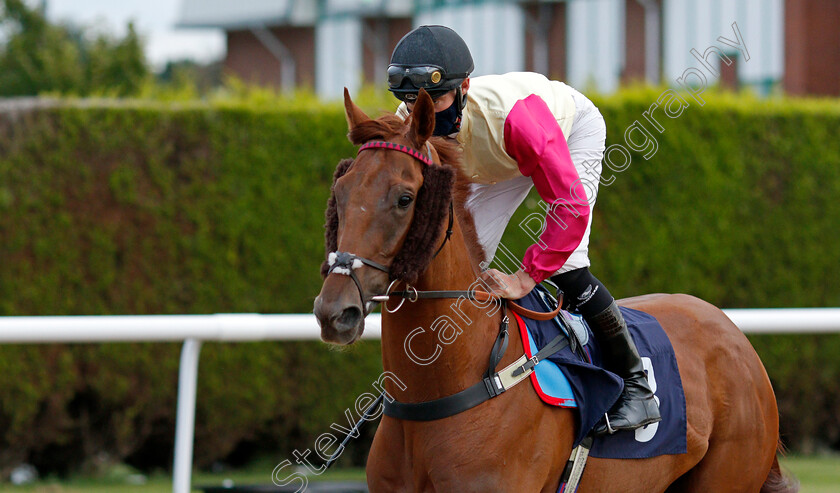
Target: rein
(494, 383)
(345, 262)
(413, 295)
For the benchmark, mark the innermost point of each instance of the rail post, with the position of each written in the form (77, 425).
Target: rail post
(185, 417)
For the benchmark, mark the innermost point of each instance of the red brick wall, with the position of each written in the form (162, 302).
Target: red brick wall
(249, 60)
(556, 39)
(396, 29)
(557, 43)
(634, 42)
(812, 47)
(729, 73)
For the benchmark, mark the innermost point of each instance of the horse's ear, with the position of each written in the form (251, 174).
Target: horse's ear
(355, 116)
(422, 119)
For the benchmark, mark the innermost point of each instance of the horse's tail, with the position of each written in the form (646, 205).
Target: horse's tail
(778, 481)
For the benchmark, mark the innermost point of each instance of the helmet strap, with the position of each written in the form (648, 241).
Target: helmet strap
(460, 99)
(460, 104)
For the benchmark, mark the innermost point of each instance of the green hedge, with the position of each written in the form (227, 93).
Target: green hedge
(144, 208)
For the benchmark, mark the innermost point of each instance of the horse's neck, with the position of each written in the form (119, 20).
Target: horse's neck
(419, 341)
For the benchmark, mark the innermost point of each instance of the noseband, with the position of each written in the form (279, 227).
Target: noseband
(345, 262)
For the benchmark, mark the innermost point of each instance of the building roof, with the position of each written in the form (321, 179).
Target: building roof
(242, 14)
(229, 15)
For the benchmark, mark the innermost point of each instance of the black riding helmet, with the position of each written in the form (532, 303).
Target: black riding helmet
(433, 58)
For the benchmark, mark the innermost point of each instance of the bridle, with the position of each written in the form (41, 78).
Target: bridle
(346, 263)
(494, 383)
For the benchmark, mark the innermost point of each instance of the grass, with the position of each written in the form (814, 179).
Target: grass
(818, 474)
(163, 484)
(119, 479)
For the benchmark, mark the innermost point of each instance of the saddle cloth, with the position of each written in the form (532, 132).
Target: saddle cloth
(566, 379)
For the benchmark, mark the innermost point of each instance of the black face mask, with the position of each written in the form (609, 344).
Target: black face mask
(447, 121)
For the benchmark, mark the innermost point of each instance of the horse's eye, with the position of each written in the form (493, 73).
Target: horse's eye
(404, 201)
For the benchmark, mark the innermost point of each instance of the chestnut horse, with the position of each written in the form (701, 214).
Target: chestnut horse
(391, 209)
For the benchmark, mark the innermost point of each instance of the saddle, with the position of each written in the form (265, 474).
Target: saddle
(574, 377)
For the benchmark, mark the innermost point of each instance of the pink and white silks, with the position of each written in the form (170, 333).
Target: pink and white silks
(512, 134)
(564, 170)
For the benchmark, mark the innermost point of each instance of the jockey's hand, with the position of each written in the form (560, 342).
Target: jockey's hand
(512, 286)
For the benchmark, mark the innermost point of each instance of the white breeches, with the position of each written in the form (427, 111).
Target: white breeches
(492, 206)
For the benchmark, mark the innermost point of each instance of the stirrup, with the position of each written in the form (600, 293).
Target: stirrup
(610, 429)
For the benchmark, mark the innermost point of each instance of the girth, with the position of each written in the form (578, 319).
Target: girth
(492, 385)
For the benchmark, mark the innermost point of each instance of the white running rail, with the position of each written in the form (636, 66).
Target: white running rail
(193, 329)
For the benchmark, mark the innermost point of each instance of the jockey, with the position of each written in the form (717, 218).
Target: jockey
(517, 131)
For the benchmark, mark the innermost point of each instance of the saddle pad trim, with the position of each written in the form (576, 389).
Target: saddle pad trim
(527, 345)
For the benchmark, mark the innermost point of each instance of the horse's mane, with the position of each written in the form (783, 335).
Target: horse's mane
(442, 185)
(380, 129)
(460, 194)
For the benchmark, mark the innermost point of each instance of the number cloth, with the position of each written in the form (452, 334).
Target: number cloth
(595, 389)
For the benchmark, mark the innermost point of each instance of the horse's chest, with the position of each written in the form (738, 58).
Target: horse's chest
(485, 449)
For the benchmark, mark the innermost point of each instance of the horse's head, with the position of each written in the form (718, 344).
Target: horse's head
(384, 216)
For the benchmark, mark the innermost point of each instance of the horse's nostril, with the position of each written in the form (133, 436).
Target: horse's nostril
(349, 318)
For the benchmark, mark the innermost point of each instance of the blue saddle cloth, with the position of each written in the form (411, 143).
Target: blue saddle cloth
(566, 379)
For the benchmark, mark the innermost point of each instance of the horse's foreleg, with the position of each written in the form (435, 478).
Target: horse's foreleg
(387, 469)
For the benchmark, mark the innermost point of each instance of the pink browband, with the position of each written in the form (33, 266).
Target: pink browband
(381, 144)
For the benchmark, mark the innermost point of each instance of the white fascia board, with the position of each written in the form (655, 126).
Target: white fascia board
(224, 14)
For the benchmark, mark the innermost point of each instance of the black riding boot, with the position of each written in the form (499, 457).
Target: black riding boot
(636, 407)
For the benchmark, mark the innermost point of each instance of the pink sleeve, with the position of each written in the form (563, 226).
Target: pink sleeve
(534, 139)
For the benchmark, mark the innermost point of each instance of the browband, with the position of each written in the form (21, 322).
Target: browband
(381, 144)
